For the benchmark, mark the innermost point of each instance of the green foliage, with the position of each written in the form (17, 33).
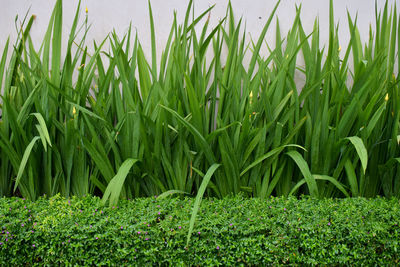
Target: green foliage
(95, 113)
(199, 197)
(229, 231)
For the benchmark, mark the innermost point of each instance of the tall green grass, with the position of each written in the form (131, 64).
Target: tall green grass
(118, 123)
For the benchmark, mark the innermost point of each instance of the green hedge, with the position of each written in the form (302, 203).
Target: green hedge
(228, 231)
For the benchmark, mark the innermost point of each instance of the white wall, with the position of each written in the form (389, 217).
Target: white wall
(106, 15)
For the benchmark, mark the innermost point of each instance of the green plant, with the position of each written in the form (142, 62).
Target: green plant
(132, 127)
(228, 231)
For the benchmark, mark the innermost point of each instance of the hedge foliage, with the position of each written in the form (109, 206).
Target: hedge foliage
(230, 231)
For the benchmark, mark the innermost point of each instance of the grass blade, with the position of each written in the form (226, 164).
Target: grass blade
(267, 155)
(361, 150)
(43, 126)
(199, 197)
(24, 160)
(324, 178)
(351, 177)
(171, 192)
(114, 187)
(302, 164)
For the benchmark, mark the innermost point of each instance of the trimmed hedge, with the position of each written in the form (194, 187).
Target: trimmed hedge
(231, 231)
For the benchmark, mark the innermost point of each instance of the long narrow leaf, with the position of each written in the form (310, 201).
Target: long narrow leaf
(114, 188)
(24, 160)
(199, 197)
(302, 164)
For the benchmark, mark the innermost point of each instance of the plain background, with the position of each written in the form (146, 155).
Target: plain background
(108, 15)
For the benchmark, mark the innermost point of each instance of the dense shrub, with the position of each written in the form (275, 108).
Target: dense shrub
(227, 231)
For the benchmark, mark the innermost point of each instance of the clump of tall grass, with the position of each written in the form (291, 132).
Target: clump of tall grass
(118, 124)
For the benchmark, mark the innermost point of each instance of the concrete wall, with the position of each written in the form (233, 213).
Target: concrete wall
(106, 15)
